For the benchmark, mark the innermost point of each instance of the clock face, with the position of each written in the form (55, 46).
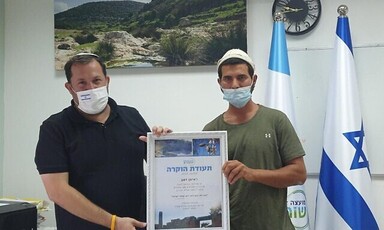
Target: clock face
(300, 16)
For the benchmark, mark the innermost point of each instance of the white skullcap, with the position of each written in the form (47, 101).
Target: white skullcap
(236, 53)
(87, 54)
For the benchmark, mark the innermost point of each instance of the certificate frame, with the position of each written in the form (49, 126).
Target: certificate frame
(186, 188)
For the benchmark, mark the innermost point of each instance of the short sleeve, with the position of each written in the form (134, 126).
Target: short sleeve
(50, 156)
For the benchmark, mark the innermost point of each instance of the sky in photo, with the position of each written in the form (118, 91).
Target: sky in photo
(63, 5)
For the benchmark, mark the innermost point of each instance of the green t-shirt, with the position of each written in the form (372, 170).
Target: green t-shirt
(267, 141)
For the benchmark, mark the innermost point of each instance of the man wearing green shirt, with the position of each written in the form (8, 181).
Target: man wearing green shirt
(265, 154)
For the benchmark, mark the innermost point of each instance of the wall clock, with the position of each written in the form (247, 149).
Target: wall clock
(300, 16)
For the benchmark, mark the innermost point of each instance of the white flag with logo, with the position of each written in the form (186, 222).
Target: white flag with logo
(279, 96)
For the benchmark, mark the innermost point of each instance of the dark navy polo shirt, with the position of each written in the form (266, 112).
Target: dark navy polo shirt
(104, 161)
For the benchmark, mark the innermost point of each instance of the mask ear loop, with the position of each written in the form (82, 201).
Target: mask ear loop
(73, 91)
(107, 88)
(74, 101)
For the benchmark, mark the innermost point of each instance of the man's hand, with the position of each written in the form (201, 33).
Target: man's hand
(158, 131)
(293, 173)
(126, 223)
(234, 170)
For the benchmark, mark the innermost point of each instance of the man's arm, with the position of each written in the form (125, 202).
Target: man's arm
(293, 173)
(64, 195)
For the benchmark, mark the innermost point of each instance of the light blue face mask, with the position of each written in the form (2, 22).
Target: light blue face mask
(238, 97)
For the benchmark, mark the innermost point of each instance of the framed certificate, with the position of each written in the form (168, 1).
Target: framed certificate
(186, 188)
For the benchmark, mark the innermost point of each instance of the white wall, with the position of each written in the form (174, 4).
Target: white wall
(1, 90)
(186, 98)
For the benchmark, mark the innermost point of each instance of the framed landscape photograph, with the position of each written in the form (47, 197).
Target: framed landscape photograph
(186, 188)
(149, 33)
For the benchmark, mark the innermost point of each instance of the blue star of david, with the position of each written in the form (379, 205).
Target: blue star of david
(356, 138)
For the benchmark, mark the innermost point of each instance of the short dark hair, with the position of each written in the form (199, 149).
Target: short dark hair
(235, 61)
(83, 58)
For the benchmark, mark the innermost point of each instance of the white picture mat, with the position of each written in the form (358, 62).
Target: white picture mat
(187, 182)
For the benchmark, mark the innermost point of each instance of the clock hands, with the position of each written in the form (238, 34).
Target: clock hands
(292, 9)
(287, 9)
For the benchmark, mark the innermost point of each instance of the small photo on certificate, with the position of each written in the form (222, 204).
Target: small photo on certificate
(186, 188)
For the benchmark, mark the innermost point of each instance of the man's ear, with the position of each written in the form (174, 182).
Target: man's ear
(68, 86)
(255, 77)
(218, 81)
(253, 82)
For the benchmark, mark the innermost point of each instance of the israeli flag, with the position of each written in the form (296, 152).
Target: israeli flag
(343, 195)
(279, 96)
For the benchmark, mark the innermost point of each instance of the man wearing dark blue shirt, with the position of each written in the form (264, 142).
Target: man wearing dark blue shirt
(90, 157)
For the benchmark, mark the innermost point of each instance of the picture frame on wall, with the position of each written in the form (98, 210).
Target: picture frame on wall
(146, 33)
(186, 188)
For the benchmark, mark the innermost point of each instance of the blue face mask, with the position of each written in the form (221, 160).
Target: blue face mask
(238, 97)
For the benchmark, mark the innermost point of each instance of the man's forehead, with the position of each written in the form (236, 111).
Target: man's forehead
(87, 74)
(235, 67)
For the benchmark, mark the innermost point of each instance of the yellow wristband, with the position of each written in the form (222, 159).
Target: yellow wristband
(113, 222)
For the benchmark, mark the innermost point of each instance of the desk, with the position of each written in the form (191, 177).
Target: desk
(17, 216)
